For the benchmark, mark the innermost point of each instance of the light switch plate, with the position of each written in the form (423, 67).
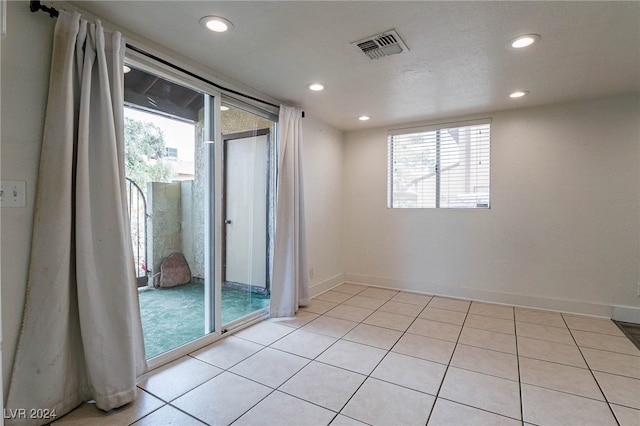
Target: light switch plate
(13, 193)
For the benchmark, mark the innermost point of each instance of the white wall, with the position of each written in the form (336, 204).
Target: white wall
(25, 61)
(323, 176)
(562, 232)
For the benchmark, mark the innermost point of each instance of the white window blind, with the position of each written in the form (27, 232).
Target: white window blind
(440, 166)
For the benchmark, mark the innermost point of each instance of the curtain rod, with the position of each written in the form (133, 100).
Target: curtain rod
(196, 76)
(35, 6)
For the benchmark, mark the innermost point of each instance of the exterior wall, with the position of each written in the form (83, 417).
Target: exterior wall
(187, 225)
(196, 246)
(165, 224)
(562, 231)
(176, 224)
(236, 120)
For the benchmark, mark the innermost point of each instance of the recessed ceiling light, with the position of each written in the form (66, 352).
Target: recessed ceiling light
(519, 94)
(224, 108)
(364, 118)
(316, 87)
(126, 69)
(524, 41)
(216, 23)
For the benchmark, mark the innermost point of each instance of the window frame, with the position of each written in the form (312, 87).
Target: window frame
(433, 136)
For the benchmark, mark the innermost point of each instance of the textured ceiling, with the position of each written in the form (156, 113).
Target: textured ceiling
(458, 62)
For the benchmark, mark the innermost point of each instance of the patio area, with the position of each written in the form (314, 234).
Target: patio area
(174, 316)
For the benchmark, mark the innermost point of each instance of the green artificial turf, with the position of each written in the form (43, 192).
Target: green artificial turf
(174, 316)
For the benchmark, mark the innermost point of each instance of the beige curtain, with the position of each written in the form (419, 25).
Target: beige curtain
(289, 284)
(81, 335)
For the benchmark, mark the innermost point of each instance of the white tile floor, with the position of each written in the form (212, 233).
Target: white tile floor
(363, 355)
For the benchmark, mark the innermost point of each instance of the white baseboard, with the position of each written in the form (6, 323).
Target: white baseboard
(626, 314)
(619, 313)
(325, 285)
(468, 293)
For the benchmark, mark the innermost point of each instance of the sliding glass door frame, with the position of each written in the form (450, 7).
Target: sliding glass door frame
(214, 192)
(271, 186)
(212, 213)
(212, 293)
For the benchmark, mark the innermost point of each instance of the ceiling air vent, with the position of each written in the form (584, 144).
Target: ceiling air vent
(380, 45)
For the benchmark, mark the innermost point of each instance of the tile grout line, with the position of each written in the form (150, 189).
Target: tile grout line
(410, 356)
(168, 404)
(367, 376)
(606, 400)
(388, 351)
(446, 370)
(474, 371)
(339, 412)
(515, 331)
(228, 370)
(273, 390)
(310, 360)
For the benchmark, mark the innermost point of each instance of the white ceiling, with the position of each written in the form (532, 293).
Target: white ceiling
(458, 62)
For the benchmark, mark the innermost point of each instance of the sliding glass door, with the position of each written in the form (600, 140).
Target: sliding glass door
(169, 177)
(248, 196)
(200, 185)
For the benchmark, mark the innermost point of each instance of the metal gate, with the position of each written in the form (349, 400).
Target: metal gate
(138, 216)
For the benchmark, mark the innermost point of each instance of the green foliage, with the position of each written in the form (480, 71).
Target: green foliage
(144, 152)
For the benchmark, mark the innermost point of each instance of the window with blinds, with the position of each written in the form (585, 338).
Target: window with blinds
(443, 166)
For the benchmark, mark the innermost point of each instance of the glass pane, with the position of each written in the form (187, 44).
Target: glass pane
(442, 168)
(413, 170)
(464, 158)
(165, 168)
(248, 212)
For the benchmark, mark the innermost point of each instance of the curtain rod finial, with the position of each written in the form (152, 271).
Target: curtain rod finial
(34, 5)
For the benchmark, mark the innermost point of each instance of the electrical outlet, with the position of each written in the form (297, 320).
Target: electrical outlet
(638, 290)
(13, 193)
(311, 272)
